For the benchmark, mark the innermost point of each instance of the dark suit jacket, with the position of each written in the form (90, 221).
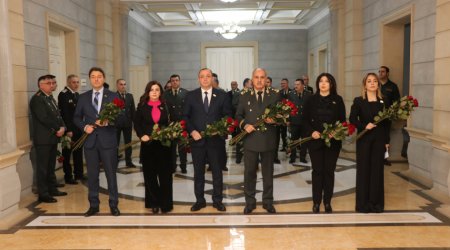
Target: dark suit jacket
(175, 103)
(319, 110)
(363, 112)
(85, 114)
(126, 120)
(197, 119)
(67, 103)
(247, 113)
(234, 98)
(143, 121)
(46, 119)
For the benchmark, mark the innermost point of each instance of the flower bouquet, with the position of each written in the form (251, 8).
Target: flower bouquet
(399, 110)
(174, 131)
(109, 114)
(278, 112)
(66, 142)
(339, 131)
(222, 127)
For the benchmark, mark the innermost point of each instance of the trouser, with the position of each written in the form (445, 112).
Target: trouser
(323, 161)
(251, 167)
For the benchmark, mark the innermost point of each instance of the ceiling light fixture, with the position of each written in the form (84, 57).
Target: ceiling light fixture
(228, 1)
(229, 31)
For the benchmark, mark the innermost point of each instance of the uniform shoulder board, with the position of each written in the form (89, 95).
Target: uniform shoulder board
(64, 90)
(38, 93)
(247, 91)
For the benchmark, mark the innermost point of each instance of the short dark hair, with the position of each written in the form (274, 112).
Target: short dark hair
(175, 75)
(386, 68)
(300, 80)
(204, 69)
(270, 78)
(96, 69)
(245, 81)
(330, 77)
(51, 76)
(285, 79)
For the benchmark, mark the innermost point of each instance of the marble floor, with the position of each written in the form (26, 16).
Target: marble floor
(415, 218)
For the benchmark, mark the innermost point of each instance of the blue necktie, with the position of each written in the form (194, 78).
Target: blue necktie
(96, 101)
(205, 102)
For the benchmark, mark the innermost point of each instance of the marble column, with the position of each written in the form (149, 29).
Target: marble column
(9, 154)
(120, 38)
(337, 39)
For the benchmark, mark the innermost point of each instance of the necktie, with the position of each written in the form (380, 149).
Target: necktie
(175, 92)
(53, 101)
(260, 98)
(205, 102)
(96, 101)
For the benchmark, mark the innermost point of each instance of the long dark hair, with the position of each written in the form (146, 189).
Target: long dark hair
(144, 98)
(330, 77)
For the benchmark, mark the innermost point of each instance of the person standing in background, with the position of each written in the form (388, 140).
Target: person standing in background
(125, 124)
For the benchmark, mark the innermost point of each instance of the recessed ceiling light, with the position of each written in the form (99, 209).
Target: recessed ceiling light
(228, 1)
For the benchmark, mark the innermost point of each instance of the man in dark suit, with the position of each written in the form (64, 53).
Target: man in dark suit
(125, 124)
(67, 102)
(101, 144)
(47, 128)
(252, 104)
(284, 93)
(174, 98)
(203, 106)
(233, 95)
(298, 97)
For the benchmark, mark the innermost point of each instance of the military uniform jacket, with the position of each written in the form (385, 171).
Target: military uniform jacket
(284, 94)
(46, 119)
(299, 101)
(126, 119)
(175, 103)
(67, 103)
(248, 112)
(390, 91)
(234, 97)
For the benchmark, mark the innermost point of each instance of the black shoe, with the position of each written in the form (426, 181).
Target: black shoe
(155, 210)
(277, 161)
(71, 182)
(387, 163)
(91, 211)
(166, 210)
(316, 208)
(184, 171)
(283, 149)
(47, 199)
(197, 206)
(238, 161)
(58, 193)
(224, 169)
(328, 208)
(219, 206)
(291, 161)
(270, 208)
(114, 211)
(303, 160)
(59, 185)
(119, 156)
(131, 165)
(248, 209)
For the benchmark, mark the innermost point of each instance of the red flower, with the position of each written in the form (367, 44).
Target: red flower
(184, 134)
(119, 103)
(416, 103)
(229, 120)
(345, 124)
(351, 128)
(410, 98)
(231, 129)
(60, 159)
(183, 124)
(236, 123)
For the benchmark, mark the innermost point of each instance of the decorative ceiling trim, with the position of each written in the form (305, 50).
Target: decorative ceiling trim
(319, 16)
(250, 27)
(141, 20)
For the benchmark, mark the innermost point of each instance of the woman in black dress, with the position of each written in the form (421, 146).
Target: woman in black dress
(325, 106)
(156, 158)
(370, 148)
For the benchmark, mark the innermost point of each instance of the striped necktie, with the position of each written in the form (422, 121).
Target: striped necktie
(95, 103)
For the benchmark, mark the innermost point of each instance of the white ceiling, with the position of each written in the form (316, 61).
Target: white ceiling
(172, 15)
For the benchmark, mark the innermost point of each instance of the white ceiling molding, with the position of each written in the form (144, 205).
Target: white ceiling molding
(141, 20)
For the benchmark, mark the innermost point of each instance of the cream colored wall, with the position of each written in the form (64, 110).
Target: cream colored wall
(104, 35)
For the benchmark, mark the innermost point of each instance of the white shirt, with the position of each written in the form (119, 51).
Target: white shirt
(100, 97)
(209, 91)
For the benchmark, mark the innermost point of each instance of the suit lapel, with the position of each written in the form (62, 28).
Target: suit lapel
(105, 98)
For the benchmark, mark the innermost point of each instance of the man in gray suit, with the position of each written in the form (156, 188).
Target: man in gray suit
(252, 105)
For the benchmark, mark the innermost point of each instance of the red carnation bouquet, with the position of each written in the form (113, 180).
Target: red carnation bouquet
(174, 131)
(66, 142)
(108, 114)
(339, 131)
(399, 110)
(279, 113)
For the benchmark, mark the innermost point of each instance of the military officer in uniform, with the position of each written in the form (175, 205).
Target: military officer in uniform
(48, 127)
(252, 104)
(174, 98)
(125, 124)
(67, 102)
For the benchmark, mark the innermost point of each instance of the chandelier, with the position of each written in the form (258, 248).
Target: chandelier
(229, 31)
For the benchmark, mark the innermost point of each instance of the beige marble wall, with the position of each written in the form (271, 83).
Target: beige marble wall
(104, 33)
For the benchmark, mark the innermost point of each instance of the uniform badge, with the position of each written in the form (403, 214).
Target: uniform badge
(70, 101)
